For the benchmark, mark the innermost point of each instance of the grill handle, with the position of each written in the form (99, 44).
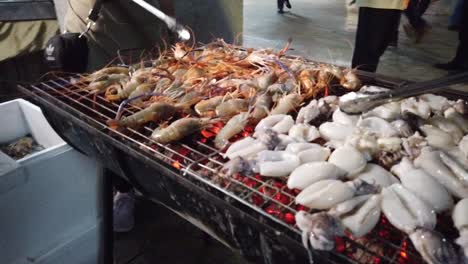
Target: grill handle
(357, 103)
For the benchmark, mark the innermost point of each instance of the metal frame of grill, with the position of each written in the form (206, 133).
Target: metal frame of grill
(264, 206)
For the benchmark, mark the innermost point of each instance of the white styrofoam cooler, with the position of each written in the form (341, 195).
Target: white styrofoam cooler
(49, 200)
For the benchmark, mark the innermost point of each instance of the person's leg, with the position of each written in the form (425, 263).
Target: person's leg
(376, 28)
(457, 15)
(460, 61)
(396, 33)
(417, 27)
(288, 4)
(280, 6)
(124, 206)
(461, 56)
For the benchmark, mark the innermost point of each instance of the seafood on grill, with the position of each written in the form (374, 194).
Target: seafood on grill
(312, 172)
(348, 159)
(463, 145)
(438, 138)
(423, 185)
(245, 148)
(180, 129)
(308, 113)
(303, 132)
(207, 107)
(313, 154)
(238, 165)
(405, 210)
(155, 112)
(375, 174)
(343, 118)
(434, 248)
(460, 220)
(325, 194)
(287, 104)
(234, 126)
(460, 120)
(431, 161)
(278, 123)
(359, 215)
(403, 128)
(319, 229)
(276, 163)
(335, 132)
(377, 126)
(390, 111)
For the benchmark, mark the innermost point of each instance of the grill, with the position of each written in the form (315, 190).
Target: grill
(252, 214)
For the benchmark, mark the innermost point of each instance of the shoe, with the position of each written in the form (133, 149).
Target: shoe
(288, 5)
(280, 11)
(124, 207)
(409, 31)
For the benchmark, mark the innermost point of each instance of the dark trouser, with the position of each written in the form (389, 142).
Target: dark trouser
(375, 30)
(415, 11)
(121, 185)
(281, 4)
(462, 51)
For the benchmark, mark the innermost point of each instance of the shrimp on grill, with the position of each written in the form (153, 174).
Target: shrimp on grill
(234, 126)
(105, 72)
(100, 85)
(350, 81)
(141, 90)
(155, 112)
(232, 107)
(180, 129)
(287, 104)
(208, 106)
(117, 92)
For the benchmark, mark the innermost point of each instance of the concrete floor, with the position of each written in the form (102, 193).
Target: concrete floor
(324, 30)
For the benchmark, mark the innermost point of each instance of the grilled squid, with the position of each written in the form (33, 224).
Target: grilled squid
(325, 194)
(423, 185)
(309, 173)
(432, 163)
(276, 163)
(277, 123)
(460, 219)
(405, 210)
(348, 159)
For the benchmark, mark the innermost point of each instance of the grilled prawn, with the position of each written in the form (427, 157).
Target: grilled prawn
(180, 129)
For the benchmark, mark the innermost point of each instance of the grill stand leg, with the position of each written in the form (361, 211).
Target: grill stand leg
(107, 237)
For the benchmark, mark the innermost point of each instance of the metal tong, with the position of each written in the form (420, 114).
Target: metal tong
(357, 103)
(171, 23)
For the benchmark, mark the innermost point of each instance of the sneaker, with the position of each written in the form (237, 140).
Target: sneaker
(288, 5)
(280, 11)
(124, 207)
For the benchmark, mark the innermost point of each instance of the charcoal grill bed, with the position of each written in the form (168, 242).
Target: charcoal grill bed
(229, 217)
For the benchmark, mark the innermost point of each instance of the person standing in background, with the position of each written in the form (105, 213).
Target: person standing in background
(281, 4)
(460, 62)
(417, 27)
(455, 18)
(378, 20)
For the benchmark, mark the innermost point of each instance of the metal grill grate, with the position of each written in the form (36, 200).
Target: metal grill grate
(195, 157)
